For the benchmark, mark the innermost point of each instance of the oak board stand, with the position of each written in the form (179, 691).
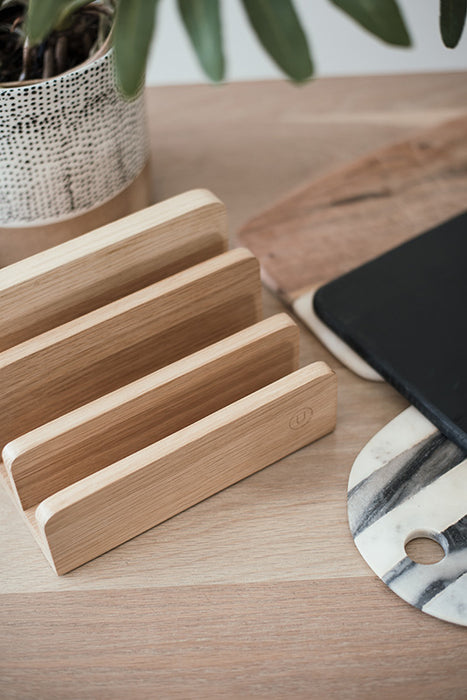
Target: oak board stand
(137, 378)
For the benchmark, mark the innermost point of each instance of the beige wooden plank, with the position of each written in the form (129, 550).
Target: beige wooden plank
(99, 352)
(287, 639)
(110, 428)
(120, 501)
(335, 223)
(59, 284)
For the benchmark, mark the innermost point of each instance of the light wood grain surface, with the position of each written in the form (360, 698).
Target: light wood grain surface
(149, 486)
(258, 591)
(337, 222)
(79, 443)
(94, 354)
(108, 263)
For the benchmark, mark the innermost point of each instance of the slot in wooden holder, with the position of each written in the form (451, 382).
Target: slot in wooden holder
(62, 283)
(93, 436)
(63, 368)
(137, 409)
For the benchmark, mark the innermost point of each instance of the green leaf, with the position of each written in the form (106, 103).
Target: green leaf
(382, 18)
(452, 20)
(42, 18)
(68, 9)
(134, 27)
(203, 24)
(280, 32)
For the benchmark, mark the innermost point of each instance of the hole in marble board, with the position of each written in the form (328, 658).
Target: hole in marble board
(424, 548)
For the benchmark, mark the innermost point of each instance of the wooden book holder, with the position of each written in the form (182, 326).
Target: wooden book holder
(127, 396)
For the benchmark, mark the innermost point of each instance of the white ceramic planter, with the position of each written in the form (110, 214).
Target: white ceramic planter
(68, 145)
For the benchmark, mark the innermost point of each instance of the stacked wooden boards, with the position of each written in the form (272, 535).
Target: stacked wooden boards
(407, 481)
(334, 224)
(137, 378)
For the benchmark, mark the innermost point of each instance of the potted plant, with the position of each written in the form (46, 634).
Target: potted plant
(73, 145)
(73, 150)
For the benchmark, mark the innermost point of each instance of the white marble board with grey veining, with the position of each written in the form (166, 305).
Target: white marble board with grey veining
(410, 481)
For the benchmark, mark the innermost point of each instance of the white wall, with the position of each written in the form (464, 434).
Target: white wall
(339, 45)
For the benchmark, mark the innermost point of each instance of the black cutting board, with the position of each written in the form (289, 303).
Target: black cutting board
(405, 313)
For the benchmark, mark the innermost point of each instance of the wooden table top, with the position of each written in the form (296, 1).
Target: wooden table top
(258, 591)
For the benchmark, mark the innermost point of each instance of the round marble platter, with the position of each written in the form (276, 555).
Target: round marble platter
(410, 481)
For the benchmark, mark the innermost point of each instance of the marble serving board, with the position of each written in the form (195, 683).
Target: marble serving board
(410, 481)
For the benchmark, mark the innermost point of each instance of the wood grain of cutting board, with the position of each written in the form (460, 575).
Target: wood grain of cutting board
(333, 224)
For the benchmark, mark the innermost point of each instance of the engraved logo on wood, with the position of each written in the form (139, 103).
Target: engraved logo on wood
(301, 418)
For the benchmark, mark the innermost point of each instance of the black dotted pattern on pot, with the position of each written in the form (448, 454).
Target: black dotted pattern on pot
(67, 144)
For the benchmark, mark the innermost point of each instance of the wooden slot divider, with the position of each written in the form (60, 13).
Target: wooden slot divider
(110, 428)
(137, 378)
(120, 501)
(71, 279)
(68, 366)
